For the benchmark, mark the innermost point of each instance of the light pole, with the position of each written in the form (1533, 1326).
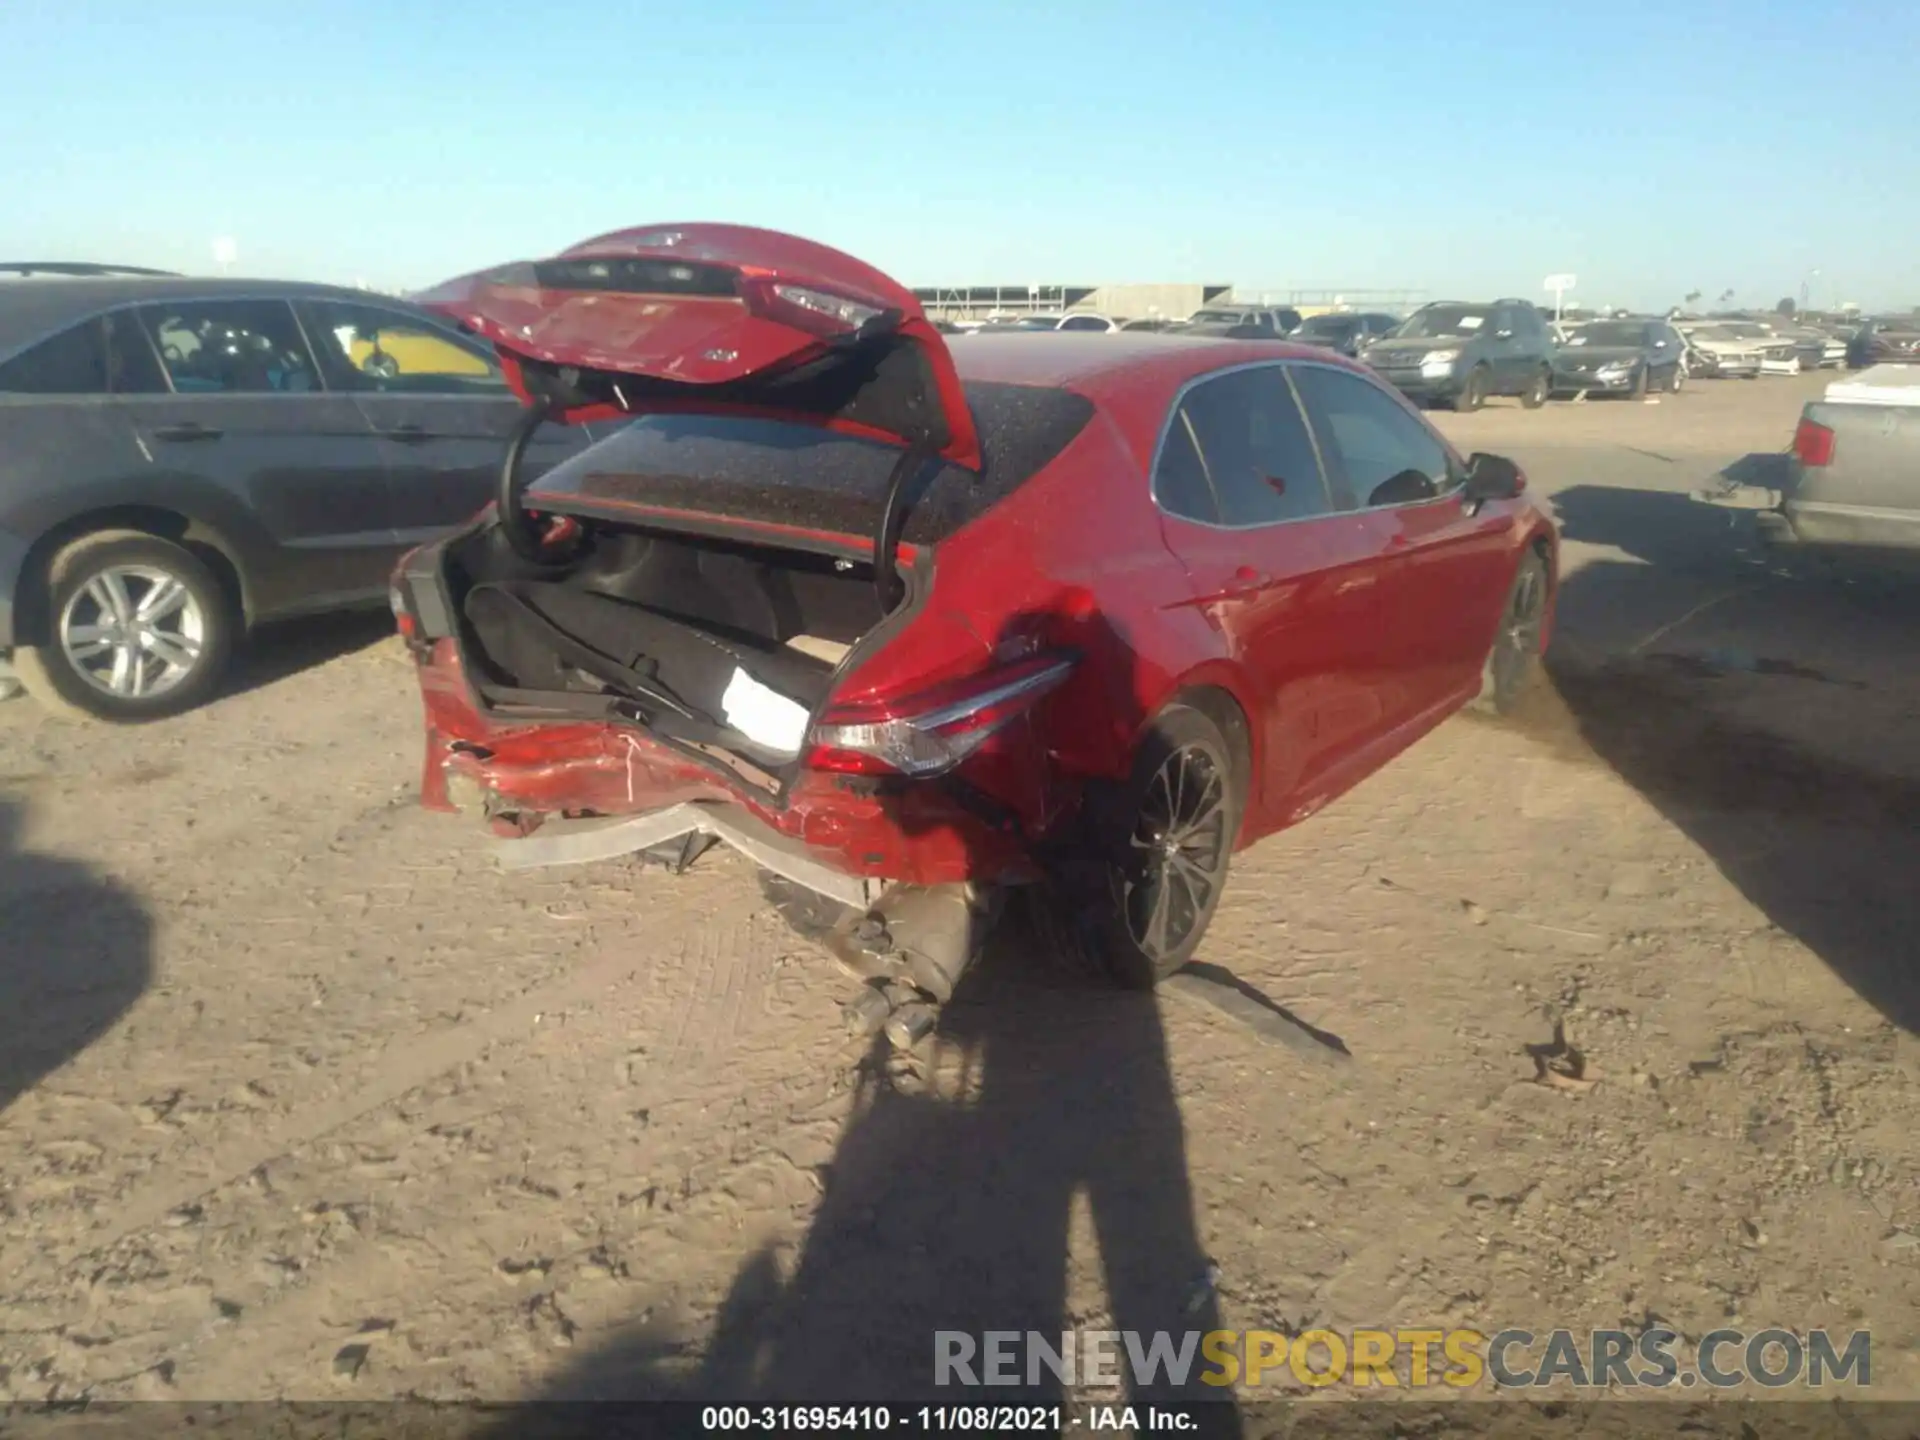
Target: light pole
(1806, 286)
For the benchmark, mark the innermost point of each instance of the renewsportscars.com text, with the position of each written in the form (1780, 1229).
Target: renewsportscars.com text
(1410, 1358)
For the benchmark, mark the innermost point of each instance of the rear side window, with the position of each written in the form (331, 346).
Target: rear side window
(132, 367)
(1368, 437)
(74, 362)
(231, 347)
(1238, 453)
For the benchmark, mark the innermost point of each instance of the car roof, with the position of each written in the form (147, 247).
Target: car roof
(31, 311)
(1085, 362)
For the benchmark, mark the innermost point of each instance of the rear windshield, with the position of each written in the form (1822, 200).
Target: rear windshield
(792, 474)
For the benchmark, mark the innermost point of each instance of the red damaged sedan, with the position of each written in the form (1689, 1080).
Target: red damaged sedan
(913, 620)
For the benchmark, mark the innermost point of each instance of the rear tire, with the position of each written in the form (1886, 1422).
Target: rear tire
(1473, 391)
(1513, 661)
(137, 628)
(1535, 395)
(1135, 899)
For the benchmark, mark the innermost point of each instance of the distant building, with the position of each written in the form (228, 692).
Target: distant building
(1130, 302)
(1173, 301)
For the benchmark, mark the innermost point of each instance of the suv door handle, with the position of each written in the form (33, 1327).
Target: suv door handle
(407, 434)
(186, 430)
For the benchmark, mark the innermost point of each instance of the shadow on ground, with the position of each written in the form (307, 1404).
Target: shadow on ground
(948, 1205)
(1797, 775)
(75, 953)
(283, 649)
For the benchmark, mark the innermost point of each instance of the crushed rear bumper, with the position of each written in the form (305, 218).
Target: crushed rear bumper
(579, 842)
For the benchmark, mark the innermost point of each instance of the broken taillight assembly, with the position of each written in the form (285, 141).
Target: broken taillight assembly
(1813, 444)
(933, 731)
(403, 620)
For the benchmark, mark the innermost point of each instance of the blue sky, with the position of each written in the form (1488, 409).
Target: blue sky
(1465, 149)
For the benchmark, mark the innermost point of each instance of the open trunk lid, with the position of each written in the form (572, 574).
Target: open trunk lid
(719, 318)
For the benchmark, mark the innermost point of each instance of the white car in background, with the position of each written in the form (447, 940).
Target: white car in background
(1718, 352)
(1088, 321)
(1778, 354)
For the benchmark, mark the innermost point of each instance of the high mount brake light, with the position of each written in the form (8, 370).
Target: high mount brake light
(930, 733)
(1813, 444)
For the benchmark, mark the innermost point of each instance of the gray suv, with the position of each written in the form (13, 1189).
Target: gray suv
(1457, 353)
(183, 459)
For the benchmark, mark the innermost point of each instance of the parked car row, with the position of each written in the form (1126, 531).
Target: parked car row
(266, 450)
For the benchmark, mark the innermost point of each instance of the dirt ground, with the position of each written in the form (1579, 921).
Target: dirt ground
(301, 1097)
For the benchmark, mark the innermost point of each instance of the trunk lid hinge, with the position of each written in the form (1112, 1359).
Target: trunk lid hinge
(893, 517)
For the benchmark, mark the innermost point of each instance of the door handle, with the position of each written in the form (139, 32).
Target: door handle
(186, 430)
(407, 434)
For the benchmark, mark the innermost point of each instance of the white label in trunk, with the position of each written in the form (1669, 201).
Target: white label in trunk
(764, 716)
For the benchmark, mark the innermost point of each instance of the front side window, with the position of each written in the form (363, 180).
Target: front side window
(1370, 439)
(74, 362)
(1238, 453)
(371, 349)
(231, 347)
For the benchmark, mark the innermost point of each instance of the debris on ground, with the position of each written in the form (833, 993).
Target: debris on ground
(1559, 1065)
(1265, 1019)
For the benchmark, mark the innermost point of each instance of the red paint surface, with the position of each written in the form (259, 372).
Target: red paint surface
(1341, 640)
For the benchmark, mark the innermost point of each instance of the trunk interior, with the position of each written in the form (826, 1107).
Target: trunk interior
(722, 646)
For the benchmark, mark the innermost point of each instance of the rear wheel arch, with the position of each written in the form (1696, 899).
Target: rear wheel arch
(205, 542)
(1221, 701)
(1225, 710)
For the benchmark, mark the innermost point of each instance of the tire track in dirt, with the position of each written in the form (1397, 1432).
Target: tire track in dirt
(772, 1081)
(421, 1061)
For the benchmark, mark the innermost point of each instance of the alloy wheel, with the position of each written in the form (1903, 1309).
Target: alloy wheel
(133, 631)
(1520, 628)
(1177, 852)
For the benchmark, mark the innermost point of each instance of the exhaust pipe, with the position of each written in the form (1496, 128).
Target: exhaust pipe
(935, 934)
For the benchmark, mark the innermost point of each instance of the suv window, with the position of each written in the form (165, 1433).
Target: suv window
(132, 367)
(74, 362)
(371, 349)
(231, 347)
(1367, 437)
(1083, 322)
(1238, 452)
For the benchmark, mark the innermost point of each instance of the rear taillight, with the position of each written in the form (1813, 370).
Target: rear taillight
(1813, 444)
(818, 312)
(933, 731)
(402, 616)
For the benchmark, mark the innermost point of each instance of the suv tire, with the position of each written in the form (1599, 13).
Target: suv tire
(137, 628)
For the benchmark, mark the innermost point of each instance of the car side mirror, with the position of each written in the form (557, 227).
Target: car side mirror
(1493, 477)
(1503, 334)
(1401, 489)
(1659, 344)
